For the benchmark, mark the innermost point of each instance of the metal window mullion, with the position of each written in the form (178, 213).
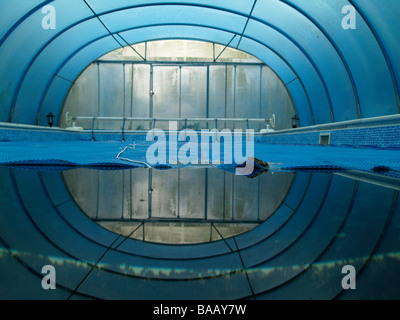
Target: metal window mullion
(150, 195)
(98, 93)
(258, 198)
(123, 194)
(234, 94)
(208, 95)
(233, 199)
(132, 196)
(179, 192)
(151, 99)
(131, 111)
(224, 202)
(260, 96)
(180, 92)
(213, 51)
(226, 91)
(124, 102)
(124, 90)
(98, 194)
(206, 195)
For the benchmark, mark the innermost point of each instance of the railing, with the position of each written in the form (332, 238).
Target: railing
(154, 120)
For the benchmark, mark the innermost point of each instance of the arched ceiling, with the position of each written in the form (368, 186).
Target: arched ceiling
(333, 74)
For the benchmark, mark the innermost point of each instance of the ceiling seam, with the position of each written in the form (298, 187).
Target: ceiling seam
(112, 34)
(247, 22)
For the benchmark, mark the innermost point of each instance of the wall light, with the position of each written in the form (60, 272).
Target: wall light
(295, 121)
(50, 119)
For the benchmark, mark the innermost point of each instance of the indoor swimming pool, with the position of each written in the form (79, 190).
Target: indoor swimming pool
(200, 150)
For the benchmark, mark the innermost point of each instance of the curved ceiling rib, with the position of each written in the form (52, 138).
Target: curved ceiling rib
(361, 49)
(339, 52)
(384, 52)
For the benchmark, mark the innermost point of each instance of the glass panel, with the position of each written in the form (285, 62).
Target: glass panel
(275, 100)
(271, 189)
(111, 95)
(216, 189)
(164, 193)
(139, 193)
(227, 54)
(140, 104)
(217, 93)
(230, 95)
(82, 99)
(179, 50)
(55, 97)
(82, 184)
(194, 95)
(111, 194)
(166, 88)
(192, 190)
(247, 95)
(245, 199)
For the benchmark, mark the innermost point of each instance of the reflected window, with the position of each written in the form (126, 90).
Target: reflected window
(190, 205)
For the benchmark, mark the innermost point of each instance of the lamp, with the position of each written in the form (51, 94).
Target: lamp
(50, 119)
(295, 121)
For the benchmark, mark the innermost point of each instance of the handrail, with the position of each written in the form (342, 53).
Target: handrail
(154, 120)
(257, 120)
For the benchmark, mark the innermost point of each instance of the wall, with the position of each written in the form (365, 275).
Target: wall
(382, 137)
(379, 136)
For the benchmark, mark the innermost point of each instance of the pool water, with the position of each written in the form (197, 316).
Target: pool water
(198, 233)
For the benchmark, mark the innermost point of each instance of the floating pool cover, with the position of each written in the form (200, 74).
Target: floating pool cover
(103, 155)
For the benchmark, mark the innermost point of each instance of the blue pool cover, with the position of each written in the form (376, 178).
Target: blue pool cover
(279, 157)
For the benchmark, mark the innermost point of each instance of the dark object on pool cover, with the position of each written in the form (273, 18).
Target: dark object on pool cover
(380, 169)
(316, 168)
(259, 167)
(260, 163)
(162, 167)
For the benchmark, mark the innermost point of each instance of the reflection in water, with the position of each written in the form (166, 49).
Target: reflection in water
(326, 221)
(177, 206)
